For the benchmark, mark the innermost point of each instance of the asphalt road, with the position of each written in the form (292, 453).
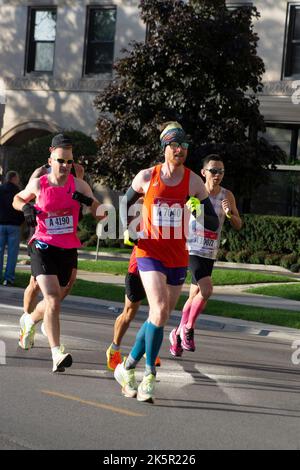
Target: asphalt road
(236, 391)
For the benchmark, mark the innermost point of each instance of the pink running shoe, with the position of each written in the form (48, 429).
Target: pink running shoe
(175, 340)
(187, 338)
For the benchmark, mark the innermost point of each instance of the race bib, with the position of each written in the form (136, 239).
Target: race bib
(201, 239)
(167, 213)
(209, 241)
(57, 225)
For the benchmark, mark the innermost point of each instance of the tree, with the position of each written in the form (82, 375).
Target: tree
(199, 65)
(36, 153)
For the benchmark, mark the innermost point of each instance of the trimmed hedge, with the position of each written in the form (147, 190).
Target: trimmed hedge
(264, 233)
(270, 240)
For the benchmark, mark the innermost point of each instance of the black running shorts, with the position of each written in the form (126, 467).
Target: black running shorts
(53, 260)
(200, 267)
(134, 288)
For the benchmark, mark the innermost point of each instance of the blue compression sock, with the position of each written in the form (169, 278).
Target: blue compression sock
(154, 337)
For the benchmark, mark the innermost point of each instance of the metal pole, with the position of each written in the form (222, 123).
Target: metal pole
(97, 248)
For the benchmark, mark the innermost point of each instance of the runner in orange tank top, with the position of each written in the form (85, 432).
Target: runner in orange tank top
(161, 254)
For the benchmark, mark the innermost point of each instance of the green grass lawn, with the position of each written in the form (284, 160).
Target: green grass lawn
(215, 307)
(221, 277)
(112, 251)
(285, 291)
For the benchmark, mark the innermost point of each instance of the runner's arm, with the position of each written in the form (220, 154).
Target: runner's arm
(231, 211)
(137, 189)
(27, 194)
(42, 170)
(84, 188)
(197, 188)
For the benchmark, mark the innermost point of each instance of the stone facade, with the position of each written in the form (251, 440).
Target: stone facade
(64, 98)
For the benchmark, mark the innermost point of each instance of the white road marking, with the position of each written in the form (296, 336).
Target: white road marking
(13, 307)
(9, 326)
(237, 387)
(168, 373)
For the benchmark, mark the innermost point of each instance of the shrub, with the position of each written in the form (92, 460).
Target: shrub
(242, 256)
(231, 256)
(92, 241)
(288, 260)
(264, 233)
(221, 255)
(258, 257)
(83, 235)
(88, 223)
(273, 259)
(295, 268)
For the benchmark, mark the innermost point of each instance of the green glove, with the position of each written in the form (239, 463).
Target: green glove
(128, 240)
(194, 206)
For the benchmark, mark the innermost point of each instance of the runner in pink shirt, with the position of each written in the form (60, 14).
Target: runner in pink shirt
(53, 246)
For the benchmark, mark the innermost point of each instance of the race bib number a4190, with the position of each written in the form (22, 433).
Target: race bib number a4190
(59, 224)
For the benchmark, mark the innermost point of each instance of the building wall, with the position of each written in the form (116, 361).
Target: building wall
(64, 99)
(36, 104)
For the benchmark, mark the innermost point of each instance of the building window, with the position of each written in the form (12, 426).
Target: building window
(41, 39)
(292, 42)
(100, 40)
(237, 5)
(287, 137)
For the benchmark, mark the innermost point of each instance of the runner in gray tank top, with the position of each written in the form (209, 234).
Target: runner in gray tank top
(203, 248)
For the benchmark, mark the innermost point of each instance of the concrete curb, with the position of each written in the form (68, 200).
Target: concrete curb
(205, 322)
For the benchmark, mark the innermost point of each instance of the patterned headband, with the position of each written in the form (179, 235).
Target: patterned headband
(172, 133)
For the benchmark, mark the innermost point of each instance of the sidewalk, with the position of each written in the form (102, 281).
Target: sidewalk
(205, 322)
(225, 293)
(82, 254)
(230, 293)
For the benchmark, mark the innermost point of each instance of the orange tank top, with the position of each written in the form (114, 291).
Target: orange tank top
(163, 221)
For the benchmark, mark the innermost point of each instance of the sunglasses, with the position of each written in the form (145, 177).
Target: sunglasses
(62, 160)
(176, 145)
(216, 171)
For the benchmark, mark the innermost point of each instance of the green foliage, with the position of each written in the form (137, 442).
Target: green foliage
(87, 233)
(271, 234)
(295, 268)
(36, 153)
(87, 228)
(197, 66)
(88, 223)
(273, 259)
(222, 254)
(258, 257)
(230, 256)
(243, 256)
(288, 260)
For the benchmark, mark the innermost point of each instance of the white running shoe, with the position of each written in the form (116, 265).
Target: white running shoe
(26, 338)
(126, 379)
(61, 360)
(146, 389)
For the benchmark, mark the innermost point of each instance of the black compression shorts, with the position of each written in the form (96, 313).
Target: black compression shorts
(53, 260)
(134, 288)
(200, 267)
